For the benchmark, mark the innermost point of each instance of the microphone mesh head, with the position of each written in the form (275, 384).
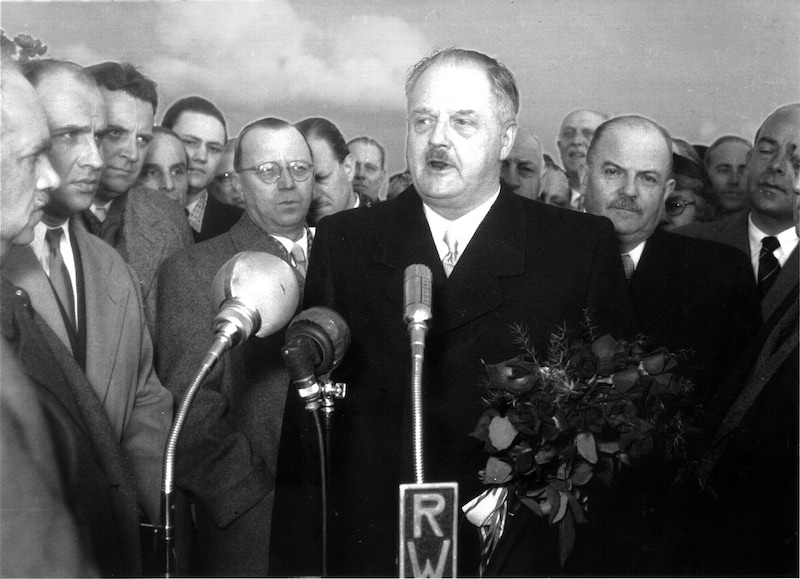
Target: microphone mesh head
(264, 283)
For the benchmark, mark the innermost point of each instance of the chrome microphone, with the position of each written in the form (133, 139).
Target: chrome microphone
(257, 293)
(417, 297)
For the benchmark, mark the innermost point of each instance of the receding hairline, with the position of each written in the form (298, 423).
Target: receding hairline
(630, 122)
(602, 116)
(792, 110)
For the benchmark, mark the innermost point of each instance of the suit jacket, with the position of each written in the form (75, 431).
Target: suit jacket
(218, 218)
(691, 294)
(227, 452)
(98, 484)
(734, 232)
(697, 297)
(119, 352)
(755, 457)
(527, 263)
(154, 228)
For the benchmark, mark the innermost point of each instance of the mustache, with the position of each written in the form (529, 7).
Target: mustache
(439, 156)
(626, 204)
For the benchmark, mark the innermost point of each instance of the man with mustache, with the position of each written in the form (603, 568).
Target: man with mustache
(143, 226)
(688, 294)
(496, 259)
(202, 128)
(90, 305)
(574, 137)
(766, 233)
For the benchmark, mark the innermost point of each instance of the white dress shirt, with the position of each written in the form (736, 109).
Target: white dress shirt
(787, 238)
(42, 251)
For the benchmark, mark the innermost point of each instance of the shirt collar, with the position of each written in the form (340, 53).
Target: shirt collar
(462, 229)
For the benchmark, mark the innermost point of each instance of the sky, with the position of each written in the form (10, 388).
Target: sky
(701, 68)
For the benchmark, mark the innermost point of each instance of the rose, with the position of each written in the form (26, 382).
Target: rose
(513, 375)
(659, 362)
(605, 347)
(584, 362)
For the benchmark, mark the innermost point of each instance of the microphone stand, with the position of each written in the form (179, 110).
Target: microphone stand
(228, 333)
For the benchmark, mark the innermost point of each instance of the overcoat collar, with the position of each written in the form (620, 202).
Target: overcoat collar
(495, 251)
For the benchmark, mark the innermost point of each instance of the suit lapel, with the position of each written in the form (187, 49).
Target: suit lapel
(658, 269)
(786, 280)
(144, 250)
(496, 250)
(106, 297)
(22, 268)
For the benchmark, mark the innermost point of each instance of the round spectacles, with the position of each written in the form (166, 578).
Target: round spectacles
(676, 207)
(270, 172)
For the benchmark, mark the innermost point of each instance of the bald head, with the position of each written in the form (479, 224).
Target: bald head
(523, 168)
(771, 168)
(627, 176)
(574, 138)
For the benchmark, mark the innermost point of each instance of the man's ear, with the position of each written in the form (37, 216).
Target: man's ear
(509, 134)
(349, 164)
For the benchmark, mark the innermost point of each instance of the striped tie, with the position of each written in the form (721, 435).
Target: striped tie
(768, 266)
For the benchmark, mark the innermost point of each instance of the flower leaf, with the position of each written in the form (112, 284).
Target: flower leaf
(501, 432)
(566, 538)
(497, 472)
(581, 475)
(563, 503)
(584, 441)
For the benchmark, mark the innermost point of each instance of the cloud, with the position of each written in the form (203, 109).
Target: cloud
(264, 52)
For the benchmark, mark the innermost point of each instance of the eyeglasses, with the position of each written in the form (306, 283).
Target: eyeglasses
(269, 173)
(224, 178)
(676, 206)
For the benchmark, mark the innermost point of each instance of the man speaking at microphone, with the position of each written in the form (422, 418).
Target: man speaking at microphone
(225, 460)
(497, 259)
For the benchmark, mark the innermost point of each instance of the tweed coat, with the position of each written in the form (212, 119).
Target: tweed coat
(734, 232)
(528, 263)
(154, 227)
(119, 352)
(227, 452)
(98, 483)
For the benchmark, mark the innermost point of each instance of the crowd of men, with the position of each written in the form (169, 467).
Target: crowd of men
(114, 226)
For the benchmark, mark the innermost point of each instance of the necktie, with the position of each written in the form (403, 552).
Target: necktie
(627, 265)
(768, 266)
(59, 276)
(450, 259)
(299, 258)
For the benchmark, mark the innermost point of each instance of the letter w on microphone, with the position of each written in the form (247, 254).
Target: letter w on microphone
(428, 529)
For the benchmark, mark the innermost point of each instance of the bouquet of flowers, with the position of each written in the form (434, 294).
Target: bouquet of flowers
(551, 427)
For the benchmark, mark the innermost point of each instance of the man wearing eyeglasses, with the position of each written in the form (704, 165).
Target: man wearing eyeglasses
(228, 449)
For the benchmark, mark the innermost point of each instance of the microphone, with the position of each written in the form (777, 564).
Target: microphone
(416, 312)
(417, 295)
(316, 342)
(256, 293)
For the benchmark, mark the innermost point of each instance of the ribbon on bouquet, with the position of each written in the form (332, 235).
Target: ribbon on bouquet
(488, 512)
